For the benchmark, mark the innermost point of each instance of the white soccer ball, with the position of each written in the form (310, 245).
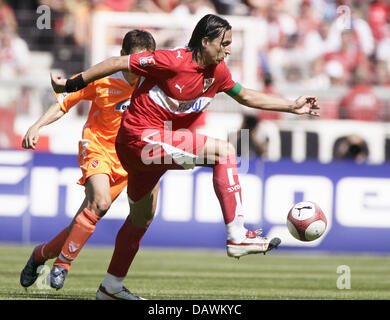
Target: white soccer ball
(306, 221)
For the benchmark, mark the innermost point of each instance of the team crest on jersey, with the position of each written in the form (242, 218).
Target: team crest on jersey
(73, 247)
(207, 83)
(95, 164)
(122, 106)
(147, 61)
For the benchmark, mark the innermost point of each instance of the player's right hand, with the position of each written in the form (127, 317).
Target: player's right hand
(58, 83)
(30, 139)
(306, 105)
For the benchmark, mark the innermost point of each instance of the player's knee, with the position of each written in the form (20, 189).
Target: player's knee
(103, 205)
(149, 216)
(142, 218)
(141, 221)
(100, 205)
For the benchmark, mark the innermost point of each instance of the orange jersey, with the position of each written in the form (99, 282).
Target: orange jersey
(110, 96)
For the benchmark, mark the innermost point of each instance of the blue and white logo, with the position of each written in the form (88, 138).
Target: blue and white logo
(123, 105)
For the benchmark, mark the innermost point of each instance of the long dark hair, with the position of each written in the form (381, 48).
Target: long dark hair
(211, 27)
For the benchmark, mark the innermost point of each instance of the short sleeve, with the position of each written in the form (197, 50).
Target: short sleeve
(68, 100)
(157, 64)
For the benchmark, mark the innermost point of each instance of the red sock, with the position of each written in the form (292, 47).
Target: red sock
(227, 188)
(126, 246)
(52, 248)
(83, 227)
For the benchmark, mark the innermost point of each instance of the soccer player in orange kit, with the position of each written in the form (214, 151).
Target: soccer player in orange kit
(102, 173)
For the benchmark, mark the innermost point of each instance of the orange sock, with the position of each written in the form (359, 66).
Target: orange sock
(52, 248)
(83, 228)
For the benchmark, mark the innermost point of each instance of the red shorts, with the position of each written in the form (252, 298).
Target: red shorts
(146, 159)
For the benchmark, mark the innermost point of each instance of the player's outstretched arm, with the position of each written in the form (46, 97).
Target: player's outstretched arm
(32, 135)
(98, 71)
(255, 99)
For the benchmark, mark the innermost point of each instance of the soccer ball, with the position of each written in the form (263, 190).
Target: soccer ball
(306, 221)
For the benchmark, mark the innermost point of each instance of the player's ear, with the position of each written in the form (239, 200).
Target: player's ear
(205, 41)
(123, 53)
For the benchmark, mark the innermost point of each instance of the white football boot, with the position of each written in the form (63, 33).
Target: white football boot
(252, 244)
(123, 294)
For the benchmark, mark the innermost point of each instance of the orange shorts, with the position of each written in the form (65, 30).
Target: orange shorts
(94, 159)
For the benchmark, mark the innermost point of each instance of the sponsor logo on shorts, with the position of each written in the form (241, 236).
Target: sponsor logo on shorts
(95, 163)
(147, 61)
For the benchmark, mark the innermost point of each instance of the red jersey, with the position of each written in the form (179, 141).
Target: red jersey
(171, 88)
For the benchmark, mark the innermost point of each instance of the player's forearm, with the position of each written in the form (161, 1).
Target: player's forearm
(98, 71)
(105, 68)
(258, 100)
(51, 115)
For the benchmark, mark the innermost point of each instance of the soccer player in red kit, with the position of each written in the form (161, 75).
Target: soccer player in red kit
(175, 86)
(102, 173)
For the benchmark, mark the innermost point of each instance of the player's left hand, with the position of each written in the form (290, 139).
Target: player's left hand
(31, 138)
(58, 83)
(306, 105)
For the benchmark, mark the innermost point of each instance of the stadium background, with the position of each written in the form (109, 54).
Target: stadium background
(336, 50)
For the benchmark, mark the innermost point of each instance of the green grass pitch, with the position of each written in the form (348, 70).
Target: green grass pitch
(168, 274)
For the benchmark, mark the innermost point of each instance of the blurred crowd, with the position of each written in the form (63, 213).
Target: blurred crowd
(317, 44)
(305, 39)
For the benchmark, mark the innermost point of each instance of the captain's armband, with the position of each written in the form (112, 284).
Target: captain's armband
(235, 90)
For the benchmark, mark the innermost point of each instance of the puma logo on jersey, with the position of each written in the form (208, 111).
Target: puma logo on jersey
(178, 87)
(179, 55)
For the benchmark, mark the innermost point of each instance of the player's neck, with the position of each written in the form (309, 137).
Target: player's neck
(200, 60)
(131, 78)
